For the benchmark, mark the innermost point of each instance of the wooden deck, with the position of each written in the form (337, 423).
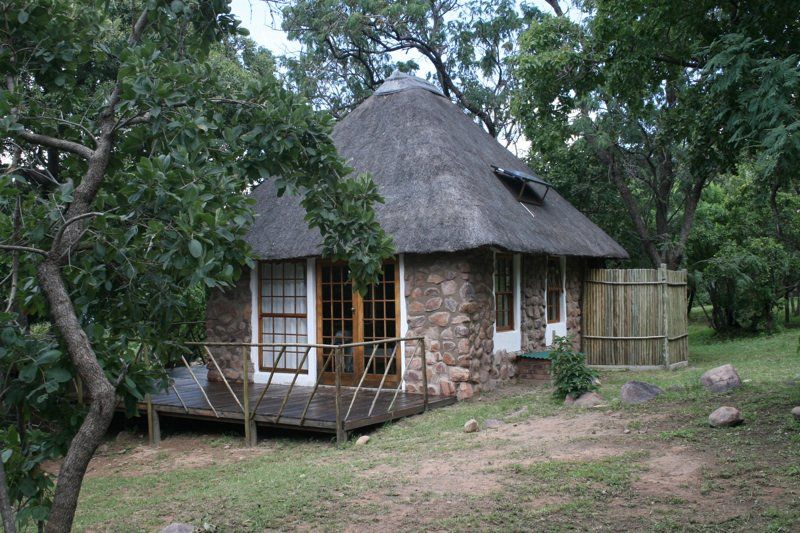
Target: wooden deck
(321, 415)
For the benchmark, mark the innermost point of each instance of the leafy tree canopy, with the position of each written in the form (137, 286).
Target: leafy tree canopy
(741, 268)
(658, 99)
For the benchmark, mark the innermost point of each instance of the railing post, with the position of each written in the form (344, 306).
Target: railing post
(424, 376)
(153, 422)
(341, 434)
(662, 277)
(250, 436)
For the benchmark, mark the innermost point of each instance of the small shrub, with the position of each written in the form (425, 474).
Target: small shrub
(569, 371)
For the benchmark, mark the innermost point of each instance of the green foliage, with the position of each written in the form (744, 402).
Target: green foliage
(36, 379)
(568, 369)
(616, 92)
(754, 72)
(657, 100)
(742, 269)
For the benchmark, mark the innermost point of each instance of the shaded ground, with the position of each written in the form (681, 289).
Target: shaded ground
(652, 467)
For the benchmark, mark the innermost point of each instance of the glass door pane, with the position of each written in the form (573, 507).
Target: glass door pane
(336, 313)
(379, 311)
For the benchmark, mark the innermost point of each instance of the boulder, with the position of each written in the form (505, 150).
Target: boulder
(471, 426)
(362, 440)
(725, 416)
(720, 379)
(796, 413)
(178, 527)
(587, 399)
(639, 392)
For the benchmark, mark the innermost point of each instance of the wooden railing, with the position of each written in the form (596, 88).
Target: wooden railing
(335, 354)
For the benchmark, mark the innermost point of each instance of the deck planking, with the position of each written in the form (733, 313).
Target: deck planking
(321, 415)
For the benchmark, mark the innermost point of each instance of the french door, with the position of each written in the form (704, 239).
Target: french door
(344, 317)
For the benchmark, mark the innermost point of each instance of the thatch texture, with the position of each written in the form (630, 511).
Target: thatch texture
(432, 164)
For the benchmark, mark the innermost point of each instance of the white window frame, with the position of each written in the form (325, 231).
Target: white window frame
(285, 377)
(556, 328)
(511, 340)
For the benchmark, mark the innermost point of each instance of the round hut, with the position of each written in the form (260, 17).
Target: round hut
(489, 261)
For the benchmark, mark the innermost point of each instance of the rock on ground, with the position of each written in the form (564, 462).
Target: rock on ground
(639, 392)
(178, 527)
(362, 440)
(725, 416)
(796, 413)
(471, 426)
(720, 379)
(587, 399)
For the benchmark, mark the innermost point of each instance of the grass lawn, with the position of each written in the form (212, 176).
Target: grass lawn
(656, 466)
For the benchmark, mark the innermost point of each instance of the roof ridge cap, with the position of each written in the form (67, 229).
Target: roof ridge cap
(402, 81)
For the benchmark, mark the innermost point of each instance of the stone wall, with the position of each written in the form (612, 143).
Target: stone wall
(534, 321)
(228, 320)
(576, 273)
(449, 301)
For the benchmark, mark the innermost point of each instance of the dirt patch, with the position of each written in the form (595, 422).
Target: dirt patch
(675, 472)
(129, 455)
(474, 473)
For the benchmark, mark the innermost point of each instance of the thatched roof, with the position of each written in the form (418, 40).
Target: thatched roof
(433, 166)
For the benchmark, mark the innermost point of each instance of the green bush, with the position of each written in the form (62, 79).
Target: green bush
(569, 371)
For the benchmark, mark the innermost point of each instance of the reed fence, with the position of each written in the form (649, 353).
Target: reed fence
(635, 318)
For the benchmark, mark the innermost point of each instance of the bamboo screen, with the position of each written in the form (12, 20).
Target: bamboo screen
(635, 317)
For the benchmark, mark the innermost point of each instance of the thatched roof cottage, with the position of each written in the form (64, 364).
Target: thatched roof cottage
(490, 259)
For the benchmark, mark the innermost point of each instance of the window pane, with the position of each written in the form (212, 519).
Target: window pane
(555, 289)
(504, 291)
(283, 308)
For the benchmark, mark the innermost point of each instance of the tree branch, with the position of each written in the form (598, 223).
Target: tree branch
(28, 249)
(556, 8)
(17, 225)
(60, 234)
(75, 125)
(59, 144)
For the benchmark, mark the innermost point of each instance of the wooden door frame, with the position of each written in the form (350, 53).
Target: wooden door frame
(328, 377)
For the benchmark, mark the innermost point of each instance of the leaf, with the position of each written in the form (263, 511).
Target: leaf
(60, 375)
(6, 455)
(22, 17)
(28, 487)
(28, 373)
(50, 356)
(195, 248)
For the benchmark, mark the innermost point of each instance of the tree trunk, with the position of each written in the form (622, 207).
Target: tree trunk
(101, 392)
(9, 524)
(787, 315)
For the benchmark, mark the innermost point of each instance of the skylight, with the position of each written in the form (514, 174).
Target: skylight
(525, 187)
